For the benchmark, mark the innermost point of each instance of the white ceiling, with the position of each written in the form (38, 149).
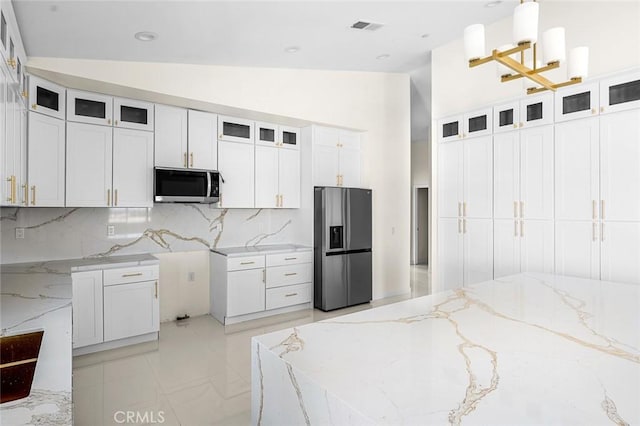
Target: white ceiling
(250, 33)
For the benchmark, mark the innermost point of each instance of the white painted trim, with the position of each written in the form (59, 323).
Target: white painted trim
(262, 314)
(414, 219)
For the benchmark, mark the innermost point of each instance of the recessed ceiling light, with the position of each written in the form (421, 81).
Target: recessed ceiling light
(146, 36)
(383, 56)
(425, 35)
(492, 4)
(292, 49)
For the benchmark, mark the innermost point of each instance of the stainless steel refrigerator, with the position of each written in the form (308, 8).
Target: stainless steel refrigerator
(342, 247)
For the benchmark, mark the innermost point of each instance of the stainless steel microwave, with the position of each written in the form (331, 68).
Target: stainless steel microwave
(186, 186)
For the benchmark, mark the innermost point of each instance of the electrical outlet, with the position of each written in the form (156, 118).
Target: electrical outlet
(19, 233)
(191, 276)
(111, 230)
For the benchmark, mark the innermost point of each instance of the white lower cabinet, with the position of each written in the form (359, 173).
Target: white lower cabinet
(254, 286)
(620, 252)
(115, 304)
(577, 249)
(522, 246)
(450, 253)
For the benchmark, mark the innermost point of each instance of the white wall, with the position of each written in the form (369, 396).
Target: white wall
(610, 29)
(376, 102)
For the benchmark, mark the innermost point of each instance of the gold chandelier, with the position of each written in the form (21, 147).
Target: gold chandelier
(525, 36)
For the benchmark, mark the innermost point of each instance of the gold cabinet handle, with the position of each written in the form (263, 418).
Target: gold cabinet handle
(264, 275)
(115, 197)
(33, 195)
(594, 209)
(337, 180)
(156, 289)
(277, 200)
(464, 208)
(34, 106)
(116, 122)
(135, 274)
(601, 109)
(290, 274)
(26, 194)
(515, 228)
(108, 121)
(515, 125)
(593, 232)
(108, 197)
(12, 189)
(191, 165)
(464, 226)
(602, 231)
(290, 294)
(290, 258)
(459, 226)
(459, 208)
(515, 209)
(602, 209)
(184, 160)
(25, 94)
(521, 228)
(521, 209)
(247, 263)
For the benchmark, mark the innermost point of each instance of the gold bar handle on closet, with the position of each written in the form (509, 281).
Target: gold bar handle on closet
(12, 189)
(521, 228)
(602, 231)
(184, 159)
(277, 200)
(515, 228)
(464, 208)
(156, 289)
(602, 209)
(290, 294)
(108, 197)
(191, 163)
(593, 232)
(337, 180)
(281, 200)
(459, 208)
(464, 226)
(26, 194)
(33, 195)
(521, 209)
(594, 209)
(515, 209)
(115, 197)
(459, 226)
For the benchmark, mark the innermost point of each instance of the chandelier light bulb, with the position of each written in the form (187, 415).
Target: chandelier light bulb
(474, 42)
(553, 45)
(578, 64)
(525, 23)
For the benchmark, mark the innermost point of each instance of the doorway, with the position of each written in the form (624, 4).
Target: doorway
(421, 225)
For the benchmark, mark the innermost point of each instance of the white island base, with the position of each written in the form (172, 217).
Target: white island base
(527, 349)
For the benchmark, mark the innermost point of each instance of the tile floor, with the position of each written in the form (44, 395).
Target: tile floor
(198, 373)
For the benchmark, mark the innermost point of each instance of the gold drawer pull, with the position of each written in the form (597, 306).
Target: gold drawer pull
(137, 274)
(290, 274)
(247, 263)
(156, 289)
(290, 294)
(290, 258)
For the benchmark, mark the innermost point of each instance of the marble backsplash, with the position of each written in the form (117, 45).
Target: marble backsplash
(69, 233)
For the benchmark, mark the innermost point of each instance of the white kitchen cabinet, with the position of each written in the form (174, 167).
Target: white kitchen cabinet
(336, 157)
(620, 252)
(506, 248)
(289, 178)
(46, 160)
(133, 114)
(11, 159)
(450, 179)
(577, 169)
(620, 166)
(290, 137)
(171, 126)
(89, 108)
(202, 140)
(267, 176)
(89, 165)
(236, 166)
(266, 134)
(23, 182)
(577, 249)
(536, 173)
(522, 246)
(132, 168)
(131, 310)
(245, 292)
(478, 123)
(478, 178)
(620, 92)
(450, 128)
(450, 254)
(536, 110)
(478, 250)
(231, 129)
(579, 101)
(47, 98)
(506, 174)
(87, 305)
(506, 117)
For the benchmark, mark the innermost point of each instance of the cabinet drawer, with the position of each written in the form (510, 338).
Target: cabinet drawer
(279, 276)
(289, 258)
(130, 275)
(288, 296)
(248, 262)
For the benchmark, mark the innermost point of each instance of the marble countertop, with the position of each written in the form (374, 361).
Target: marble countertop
(526, 349)
(38, 296)
(265, 249)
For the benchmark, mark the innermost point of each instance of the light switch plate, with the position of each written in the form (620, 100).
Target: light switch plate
(19, 233)
(111, 230)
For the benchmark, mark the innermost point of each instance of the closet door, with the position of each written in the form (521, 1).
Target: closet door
(450, 254)
(478, 178)
(536, 246)
(619, 252)
(577, 249)
(506, 175)
(536, 173)
(506, 247)
(478, 250)
(450, 171)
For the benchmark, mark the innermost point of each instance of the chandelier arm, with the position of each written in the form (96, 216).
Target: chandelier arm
(525, 72)
(551, 66)
(497, 54)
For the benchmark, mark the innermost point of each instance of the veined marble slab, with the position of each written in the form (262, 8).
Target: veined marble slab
(528, 349)
(266, 249)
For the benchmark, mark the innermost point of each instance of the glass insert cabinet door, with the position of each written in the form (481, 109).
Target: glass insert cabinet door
(289, 137)
(133, 114)
(266, 134)
(506, 117)
(478, 123)
(235, 129)
(46, 98)
(536, 110)
(577, 102)
(620, 93)
(90, 108)
(450, 128)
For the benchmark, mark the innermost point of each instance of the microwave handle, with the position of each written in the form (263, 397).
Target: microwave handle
(208, 184)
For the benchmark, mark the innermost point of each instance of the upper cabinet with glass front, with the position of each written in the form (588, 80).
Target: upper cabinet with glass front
(450, 128)
(232, 129)
(478, 123)
(46, 97)
(266, 134)
(11, 47)
(132, 114)
(289, 137)
(89, 108)
(577, 102)
(536, 110)
(620, 93)
(506, 117)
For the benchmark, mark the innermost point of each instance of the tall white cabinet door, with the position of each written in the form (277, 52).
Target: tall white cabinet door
(289, 178)
(132, 168)
(349, 166)
(89, 165)
(171, 137)
(478, 250)
(46, 158)
(450, 172)
(131, 310)
(266, 177)
(506, 175)
(620, 252)
(236, 164)
(203, 141)
(536, 173)
(577, 249)
(87, 308)
(325, 165)
(506, 247)
(450, 254)
(536, 246)
(478, 178)
(620, 166)
(576, 169)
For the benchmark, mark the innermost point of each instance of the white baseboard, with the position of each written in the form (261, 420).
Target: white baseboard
(115, 344)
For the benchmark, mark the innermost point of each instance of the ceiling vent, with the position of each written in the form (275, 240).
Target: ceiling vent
(369, 26)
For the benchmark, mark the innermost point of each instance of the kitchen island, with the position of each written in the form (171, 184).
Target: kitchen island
(526, 349)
